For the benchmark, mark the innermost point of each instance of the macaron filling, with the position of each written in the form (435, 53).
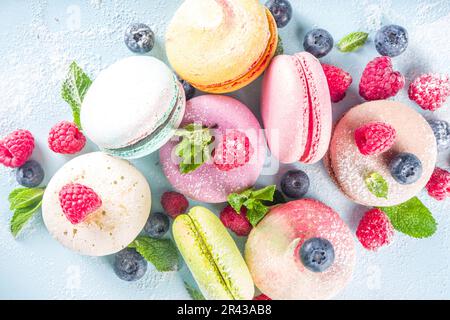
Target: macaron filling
(163, 131)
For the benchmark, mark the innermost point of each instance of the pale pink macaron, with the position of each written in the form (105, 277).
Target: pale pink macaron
(208, 183)
(272, 251)
(349, 168)
(296, 108)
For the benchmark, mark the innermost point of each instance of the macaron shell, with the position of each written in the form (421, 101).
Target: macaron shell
(350, 167)
(126, 204)
(230, 38)
(128, 101)
(271, 251)
(212, 256)
(207, 183)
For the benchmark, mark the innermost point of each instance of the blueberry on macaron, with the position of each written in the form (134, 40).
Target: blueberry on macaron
(317, 254)
(405, 168)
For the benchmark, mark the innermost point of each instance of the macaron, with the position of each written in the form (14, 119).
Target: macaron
(349, 168)
(273, 252)
(212, 256)
(126, 203)
(209, 182)
(296, 108)
(133, 107)
(221, 46)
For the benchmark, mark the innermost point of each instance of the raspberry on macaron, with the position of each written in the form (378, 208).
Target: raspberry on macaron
(78, 201)
(16, 148)
(66, 138)
(233, 150)
(374, 138)
(375, 230)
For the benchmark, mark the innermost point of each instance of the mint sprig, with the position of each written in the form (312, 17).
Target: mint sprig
(412, 218)
(24, 202)
(194, 293)
(74, 89)
(280, 49)
(162, 253)
(377, 185)
(352, 41)
(193, 148)
(253, 201)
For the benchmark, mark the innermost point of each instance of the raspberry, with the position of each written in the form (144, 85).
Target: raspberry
(236, 222)
(338, 81)
(379, 81)
(375, 230)
(439, 185)
(66, 138)
(78, 201)
(174, 203)
(233, 151)
(16, 148)
(262, 297)
(430, 91)
(374, 138)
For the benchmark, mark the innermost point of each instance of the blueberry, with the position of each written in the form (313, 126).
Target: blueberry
(317, 254)
(281, 11)
(406, 168)
(391, 40)
(157, 225)
(189, 90)
(30, 175)
(318, 42)
(129, 265)
(441, 130)
(139, 38)
(295, 184)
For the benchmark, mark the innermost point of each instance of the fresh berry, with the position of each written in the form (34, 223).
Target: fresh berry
(379, 81)
(430, 91)
(233, 150)
(261, 297)
(157, 225)
(139, 38)
(374, 230)
(30, 175)
(439, 185)
(174, 203)
(66, 138)
(295, 184)
(317, 254)
(391, 40)
(189, 90)
(281, 11)
(338, 81)
(78, 201)
(375, 138)
(236, 222)
(405, 168)
(16, 148)
(129, 265)
(441, 130)
(318, 42)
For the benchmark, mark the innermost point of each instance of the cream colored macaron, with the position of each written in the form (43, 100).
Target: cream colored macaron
(126, 204)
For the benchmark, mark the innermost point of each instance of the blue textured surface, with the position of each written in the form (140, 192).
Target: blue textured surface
(38, 40)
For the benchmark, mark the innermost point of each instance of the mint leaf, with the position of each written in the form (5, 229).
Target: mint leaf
(412, 218)
(193, 148)
(194, 293)
(352, 41)
(265, 193)
(280, 49)
(74, 89)
(21, 217)
(25, 202)
(162, 253)
(377, 185)
(256, 211)
(236, 201)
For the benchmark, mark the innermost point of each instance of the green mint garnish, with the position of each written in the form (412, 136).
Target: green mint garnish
(24, 202)
(377, 185)
(74, 89)
(162, 253)
(193, 148)
(194, 293)
(253, 201)
(352, 41)
(280, 49)
(412, 218)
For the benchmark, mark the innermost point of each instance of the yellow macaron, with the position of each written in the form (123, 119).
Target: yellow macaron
(221, 46)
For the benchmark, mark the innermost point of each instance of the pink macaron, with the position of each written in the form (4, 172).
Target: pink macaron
(296, 108)
(210, 182)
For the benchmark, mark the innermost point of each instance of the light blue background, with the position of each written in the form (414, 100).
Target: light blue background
(38, 40)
